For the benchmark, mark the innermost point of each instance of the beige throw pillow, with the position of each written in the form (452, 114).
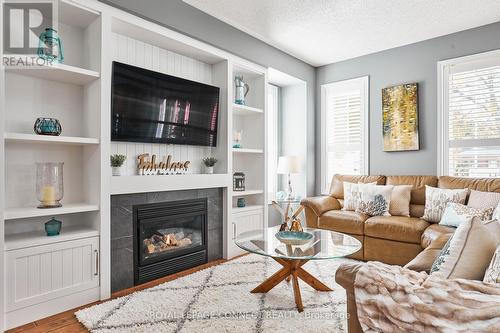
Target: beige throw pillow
(375, 199)
(492, 274)
(436, 200)
(469, 251)
(400, 200)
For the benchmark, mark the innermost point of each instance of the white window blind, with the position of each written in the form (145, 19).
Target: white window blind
(344, 129)
(472, 118)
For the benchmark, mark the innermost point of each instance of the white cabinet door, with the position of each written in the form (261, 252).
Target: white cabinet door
(243, 222)
(42, 273)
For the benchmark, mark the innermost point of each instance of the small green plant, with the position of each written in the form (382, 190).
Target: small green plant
(117, 160)
(209, 161)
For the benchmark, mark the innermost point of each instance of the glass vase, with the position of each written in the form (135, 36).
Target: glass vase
(49, 184)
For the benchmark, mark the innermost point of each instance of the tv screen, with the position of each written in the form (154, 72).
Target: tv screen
(152, 107)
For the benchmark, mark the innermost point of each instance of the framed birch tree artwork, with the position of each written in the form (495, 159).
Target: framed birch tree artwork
(400, 117)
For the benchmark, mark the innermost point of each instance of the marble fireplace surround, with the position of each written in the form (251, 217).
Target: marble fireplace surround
(122, 254)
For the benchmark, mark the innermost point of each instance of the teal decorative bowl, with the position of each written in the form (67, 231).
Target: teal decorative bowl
(294, 237)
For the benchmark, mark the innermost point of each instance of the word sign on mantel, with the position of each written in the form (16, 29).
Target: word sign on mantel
(148, 166)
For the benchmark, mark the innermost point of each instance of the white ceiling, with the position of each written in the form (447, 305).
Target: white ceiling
(320, 32)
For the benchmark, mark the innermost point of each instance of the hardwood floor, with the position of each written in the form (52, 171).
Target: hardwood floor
(66, 322)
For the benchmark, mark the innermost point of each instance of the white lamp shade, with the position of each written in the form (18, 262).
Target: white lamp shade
(288, 164)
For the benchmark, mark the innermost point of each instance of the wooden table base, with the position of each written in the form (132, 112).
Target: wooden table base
(291, 269)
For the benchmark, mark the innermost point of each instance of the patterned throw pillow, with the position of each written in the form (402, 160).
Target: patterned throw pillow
(436, 200)
(468, 252)
(496, 213)
(492, 274)
(375, 199)
(352, 195)
(455, 214)
(400, 200)
(484, 200)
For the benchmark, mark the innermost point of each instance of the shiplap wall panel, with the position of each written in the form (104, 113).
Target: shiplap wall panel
(46, 272)
(134, 52)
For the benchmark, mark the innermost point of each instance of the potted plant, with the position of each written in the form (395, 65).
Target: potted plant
(209, 164)
(117, 161)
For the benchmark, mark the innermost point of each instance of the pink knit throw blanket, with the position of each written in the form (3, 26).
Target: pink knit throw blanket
(395, 299)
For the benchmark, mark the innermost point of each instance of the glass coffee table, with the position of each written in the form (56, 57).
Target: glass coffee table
(323, 245)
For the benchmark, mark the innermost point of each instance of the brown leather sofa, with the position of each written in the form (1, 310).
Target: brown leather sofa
(396, 240)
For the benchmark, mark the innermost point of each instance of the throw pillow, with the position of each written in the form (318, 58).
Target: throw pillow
(375, 199)
(455, 214)
(436, 200)
(496, 213)
(352, 196)
(400, 200)
(468, 252)
(492, 274)
(484, 200)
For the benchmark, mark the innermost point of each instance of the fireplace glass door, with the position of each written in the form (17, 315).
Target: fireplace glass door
(168, 237)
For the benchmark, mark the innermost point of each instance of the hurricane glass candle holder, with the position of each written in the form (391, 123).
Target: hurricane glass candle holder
(49, 184)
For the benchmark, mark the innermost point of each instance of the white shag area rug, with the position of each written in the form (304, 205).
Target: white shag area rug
(218, 299)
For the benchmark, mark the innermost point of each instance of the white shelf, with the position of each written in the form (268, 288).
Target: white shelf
(142, 184)
(26, 212)
(247, 192)
(248, 150)
(57, 72)
(34, 138)
(246, 208)
(39, 237)
(76, 15)
(243, 110)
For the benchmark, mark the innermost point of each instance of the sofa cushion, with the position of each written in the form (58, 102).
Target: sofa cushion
(478, 184)
(343, 221)
(433, 232)
(418, 183)
(375, 199)
(424, 260)
(397, 228)
(337, 186)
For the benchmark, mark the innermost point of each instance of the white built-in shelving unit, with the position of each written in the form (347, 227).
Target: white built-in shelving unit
(44, 275)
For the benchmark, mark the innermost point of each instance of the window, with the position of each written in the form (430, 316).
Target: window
(272, 139)
(344, 129)
(469, 116)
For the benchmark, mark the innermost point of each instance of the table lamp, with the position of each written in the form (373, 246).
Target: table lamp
(286, 166)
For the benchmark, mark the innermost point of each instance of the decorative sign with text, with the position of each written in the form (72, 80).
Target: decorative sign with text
(149, 166)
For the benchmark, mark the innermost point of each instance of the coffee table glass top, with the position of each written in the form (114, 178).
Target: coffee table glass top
(324, 244)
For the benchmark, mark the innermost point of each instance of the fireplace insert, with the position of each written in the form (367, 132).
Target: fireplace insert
(169, 237)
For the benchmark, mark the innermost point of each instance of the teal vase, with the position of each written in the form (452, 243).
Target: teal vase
(53, 227)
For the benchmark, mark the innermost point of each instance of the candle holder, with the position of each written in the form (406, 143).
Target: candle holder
(49, 184)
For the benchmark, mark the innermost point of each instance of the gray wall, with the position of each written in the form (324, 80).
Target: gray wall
(188, 20)
(412, 63)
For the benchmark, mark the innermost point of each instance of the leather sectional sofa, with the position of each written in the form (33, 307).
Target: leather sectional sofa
(396, 240)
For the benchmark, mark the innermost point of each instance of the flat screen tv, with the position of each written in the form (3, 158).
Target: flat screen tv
(152, 107)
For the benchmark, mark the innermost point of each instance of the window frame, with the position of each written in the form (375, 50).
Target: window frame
(275, 116)
(469, 62)
(362, 82)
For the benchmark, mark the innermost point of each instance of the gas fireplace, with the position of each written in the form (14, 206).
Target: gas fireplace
(169, 237)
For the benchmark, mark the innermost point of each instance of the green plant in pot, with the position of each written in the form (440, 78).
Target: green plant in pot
(209, 164)
(117, 161)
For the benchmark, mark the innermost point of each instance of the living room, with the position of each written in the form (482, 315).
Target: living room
(237, 166)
